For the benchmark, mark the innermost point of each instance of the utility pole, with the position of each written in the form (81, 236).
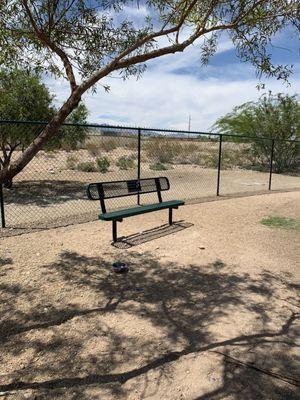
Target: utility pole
(189, 125)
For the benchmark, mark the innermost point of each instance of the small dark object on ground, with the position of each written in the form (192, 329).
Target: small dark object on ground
(139, 289)
(120, 268)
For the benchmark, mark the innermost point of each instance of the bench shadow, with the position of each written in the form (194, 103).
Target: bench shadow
(126, 242)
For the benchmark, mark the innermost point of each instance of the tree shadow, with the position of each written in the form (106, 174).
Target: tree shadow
(5, 261)
(44, 193)
(99, 331)
(246, 381)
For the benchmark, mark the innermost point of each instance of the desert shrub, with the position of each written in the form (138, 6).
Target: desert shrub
(103, 164)
(195, 158)
(86, 166)
(163, 150)
(108, 144)
(131, 144)
(125, 162)
(231, 158)
(237, 155)
(208, 160)
(187, 154)
(159, 150)
(96, 147)
(71, 162)
(273, 116)
(191, 148)
(286, 156)
(158, 166)
(93, 148)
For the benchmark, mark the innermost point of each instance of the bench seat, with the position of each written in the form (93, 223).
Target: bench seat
(129, 212)
(103, 191)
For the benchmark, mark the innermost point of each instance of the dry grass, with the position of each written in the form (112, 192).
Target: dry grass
(96, 147)
(202, 153)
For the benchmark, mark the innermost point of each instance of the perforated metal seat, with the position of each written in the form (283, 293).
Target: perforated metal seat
(102, 191)
(130, 212)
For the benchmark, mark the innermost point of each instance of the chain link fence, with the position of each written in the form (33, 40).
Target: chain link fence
(50, 190)
(189, 161)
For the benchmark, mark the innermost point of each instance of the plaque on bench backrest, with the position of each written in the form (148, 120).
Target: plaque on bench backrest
(133, 186)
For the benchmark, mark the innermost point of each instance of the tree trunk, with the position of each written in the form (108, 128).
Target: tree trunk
(50, 130)
(5, 164)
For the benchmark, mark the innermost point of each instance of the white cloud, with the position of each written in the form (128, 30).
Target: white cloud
(164, 99)
(135, 12)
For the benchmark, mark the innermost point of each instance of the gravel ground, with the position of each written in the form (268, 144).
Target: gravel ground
(209, 310)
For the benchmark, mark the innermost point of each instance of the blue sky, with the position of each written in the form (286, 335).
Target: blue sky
(176, 86)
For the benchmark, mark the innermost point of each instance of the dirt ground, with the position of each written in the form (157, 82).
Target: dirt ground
(209, 310)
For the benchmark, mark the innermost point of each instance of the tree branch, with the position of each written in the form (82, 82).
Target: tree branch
(113, 65)
(117, 63)
(63, 13)
(46, 40)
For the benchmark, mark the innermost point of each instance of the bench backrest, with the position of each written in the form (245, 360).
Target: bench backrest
(110, 190)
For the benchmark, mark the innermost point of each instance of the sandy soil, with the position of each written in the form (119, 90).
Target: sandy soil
(209, 310)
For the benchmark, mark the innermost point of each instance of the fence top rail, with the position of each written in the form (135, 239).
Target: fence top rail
(140, 129)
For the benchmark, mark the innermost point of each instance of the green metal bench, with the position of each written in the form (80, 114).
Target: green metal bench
(102, 191)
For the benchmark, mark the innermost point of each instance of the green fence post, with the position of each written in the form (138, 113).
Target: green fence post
(139, 162)
(271, 164)
(219, 165)
(2, 206)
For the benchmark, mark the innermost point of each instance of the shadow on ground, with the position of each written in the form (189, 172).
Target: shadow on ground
(136, 239)
(44, 193)
(5, 261)
(103, 334)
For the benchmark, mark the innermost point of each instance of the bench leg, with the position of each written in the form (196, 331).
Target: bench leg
(170, 216)
(114, 231)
